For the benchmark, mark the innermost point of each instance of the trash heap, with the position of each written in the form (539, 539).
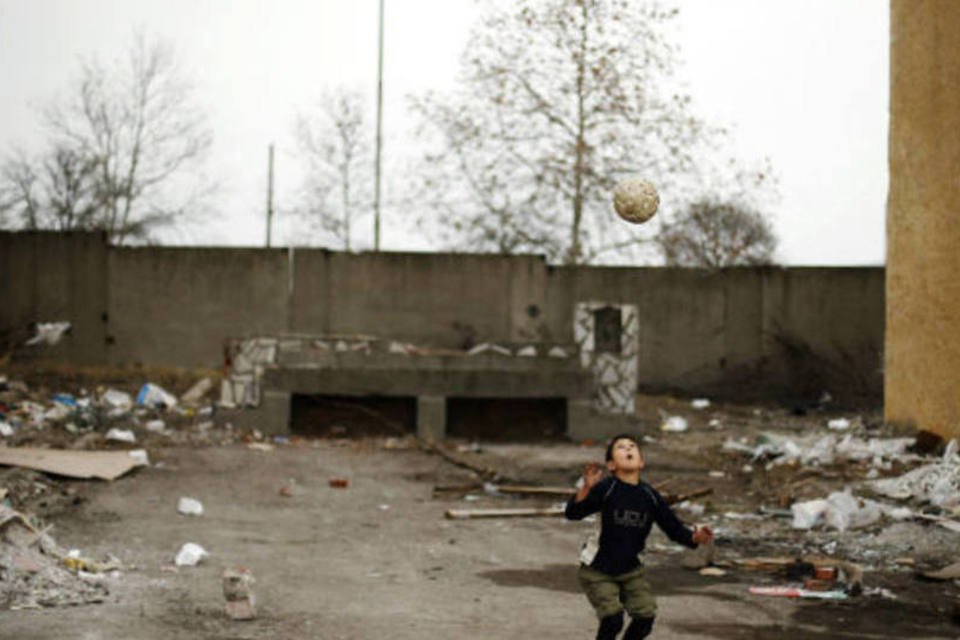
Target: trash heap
(937, 483)
(36, 573)
(932, 489)
(92, 418)
(820, 450)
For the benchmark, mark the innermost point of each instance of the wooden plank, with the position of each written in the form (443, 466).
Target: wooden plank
(470, 514)
(526, 490)
(105, 465)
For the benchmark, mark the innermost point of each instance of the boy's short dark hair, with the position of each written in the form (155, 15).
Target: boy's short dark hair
(620, 436)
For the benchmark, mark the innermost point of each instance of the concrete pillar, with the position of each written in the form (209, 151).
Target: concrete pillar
(922, 352)
(431, 417)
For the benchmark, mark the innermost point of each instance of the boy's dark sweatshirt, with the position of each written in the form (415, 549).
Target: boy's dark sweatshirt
(627, 513)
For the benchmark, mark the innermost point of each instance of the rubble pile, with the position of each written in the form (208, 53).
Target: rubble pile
(36, 573)
(937, 483)
(778, 449)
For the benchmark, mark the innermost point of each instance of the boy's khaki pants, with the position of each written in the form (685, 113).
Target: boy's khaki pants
(609, 594)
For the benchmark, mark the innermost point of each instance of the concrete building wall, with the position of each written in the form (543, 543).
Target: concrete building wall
(176, 306)
(49, 277)
(743, 332)
(923, 208)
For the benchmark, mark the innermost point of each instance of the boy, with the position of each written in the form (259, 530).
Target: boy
(613, 579)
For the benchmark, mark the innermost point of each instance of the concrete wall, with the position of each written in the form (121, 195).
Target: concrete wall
(47, 277)
(923, 207)
(741, 332)
(176, 306)
(437, 299)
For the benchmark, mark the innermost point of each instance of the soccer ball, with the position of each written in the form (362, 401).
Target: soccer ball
(635, 200)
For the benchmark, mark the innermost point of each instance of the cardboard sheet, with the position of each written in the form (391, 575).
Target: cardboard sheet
(105, 465)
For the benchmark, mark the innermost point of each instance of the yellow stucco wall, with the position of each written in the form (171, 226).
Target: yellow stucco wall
(922, 352)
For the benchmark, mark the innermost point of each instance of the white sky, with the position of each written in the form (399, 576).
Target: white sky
(804, 82)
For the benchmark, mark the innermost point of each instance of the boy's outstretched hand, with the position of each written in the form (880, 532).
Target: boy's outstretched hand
(592, 474)
(703, 535)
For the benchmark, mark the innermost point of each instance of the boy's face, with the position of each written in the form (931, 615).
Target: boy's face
(625, 456)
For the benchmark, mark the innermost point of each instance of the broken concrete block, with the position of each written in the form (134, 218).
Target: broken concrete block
(238, 591)
(241, 610)
(237, 583)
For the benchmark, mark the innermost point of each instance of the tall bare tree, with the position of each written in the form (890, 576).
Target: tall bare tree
(126, 140)
(558, 100)
(334, 143)
(715, 234)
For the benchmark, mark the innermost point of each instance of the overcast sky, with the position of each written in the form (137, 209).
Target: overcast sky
(804, 82)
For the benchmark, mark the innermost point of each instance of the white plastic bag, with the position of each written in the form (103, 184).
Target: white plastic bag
(190, 555)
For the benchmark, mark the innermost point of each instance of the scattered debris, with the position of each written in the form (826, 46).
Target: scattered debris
(937, 483)
(49, 333)
(190, 555)
(486, 473)
(715, 572)
(674, 424)
(119, 402)
(700, 403)
(105, 465)
(840, 511)
(484, 347)
(238, 592)
(190, 507)
(823, 450)
(33, 573)
(152, 395)
(121, 435)
(196, 393)
(471, 514)
(155, 426)
(949, 572)
(838, 424)
(796, 592)
(339, 483)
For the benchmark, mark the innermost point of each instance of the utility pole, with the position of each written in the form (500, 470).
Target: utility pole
(269, 195)
(379, 144)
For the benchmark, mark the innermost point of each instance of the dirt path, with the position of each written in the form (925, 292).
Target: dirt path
(378, 560)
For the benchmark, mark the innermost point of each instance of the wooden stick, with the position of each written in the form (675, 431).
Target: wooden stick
(457, 488)
(484, 472)
(470, 514)
(561, 492)
(680, 497)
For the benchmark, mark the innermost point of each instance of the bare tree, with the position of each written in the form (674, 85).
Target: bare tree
(20, 204)
(713, 235)
(335, 145)
(126, 136)
(558, 100)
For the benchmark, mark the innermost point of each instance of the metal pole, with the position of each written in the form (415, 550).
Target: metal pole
(269, 195)
(376, 170)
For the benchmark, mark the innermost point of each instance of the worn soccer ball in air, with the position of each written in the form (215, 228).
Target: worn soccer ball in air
(635, 200)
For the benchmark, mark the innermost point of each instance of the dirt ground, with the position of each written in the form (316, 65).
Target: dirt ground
(378, 559)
